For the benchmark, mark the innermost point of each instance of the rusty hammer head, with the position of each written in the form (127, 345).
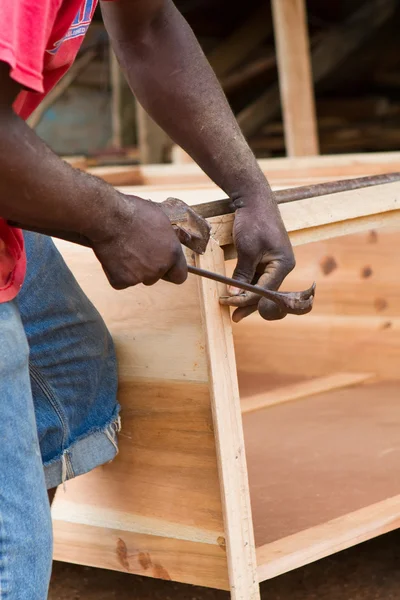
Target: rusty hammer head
(193, 231)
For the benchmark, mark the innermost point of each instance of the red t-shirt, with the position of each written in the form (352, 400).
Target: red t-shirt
(39, 39)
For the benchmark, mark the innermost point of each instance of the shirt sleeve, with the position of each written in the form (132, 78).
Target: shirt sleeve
(25, 26)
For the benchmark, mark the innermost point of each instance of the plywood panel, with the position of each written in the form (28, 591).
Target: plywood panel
(164, 482)
(157, 330)
(316, 345)
(333, 536)
(356, 275)
(319, 458)
(166, 470)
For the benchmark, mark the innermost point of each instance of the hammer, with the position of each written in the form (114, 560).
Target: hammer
(193, 231)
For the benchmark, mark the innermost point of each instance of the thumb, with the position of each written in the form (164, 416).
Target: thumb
(244, 271)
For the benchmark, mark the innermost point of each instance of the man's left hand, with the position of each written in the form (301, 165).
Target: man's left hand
(265, 258)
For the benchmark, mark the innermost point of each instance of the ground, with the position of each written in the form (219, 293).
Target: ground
(370, 571)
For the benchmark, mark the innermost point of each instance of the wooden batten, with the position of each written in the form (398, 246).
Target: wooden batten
(302, 389)
(232, 467)
(280, 171)
(329, 216)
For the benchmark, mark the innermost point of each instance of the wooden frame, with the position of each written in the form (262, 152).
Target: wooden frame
(282, 172)
(180, 502)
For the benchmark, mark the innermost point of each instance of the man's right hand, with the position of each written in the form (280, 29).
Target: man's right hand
(139, 245)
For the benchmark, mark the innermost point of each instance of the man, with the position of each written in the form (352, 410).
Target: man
(58, 404)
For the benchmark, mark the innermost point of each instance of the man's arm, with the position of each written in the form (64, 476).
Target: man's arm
(169, 74)
(132, 238)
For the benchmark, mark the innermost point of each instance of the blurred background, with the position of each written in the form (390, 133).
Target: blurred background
(355, 53)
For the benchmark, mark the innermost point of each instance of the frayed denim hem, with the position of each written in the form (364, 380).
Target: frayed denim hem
(86, 453)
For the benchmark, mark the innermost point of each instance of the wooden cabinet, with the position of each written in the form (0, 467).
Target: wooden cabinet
(312, 402)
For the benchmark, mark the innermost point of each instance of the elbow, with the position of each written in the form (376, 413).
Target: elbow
(139, 33)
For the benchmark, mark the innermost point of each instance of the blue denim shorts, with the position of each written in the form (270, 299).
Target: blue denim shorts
(72, 367)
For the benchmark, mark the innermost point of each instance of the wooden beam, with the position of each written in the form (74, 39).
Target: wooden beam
(280, 171)
(295, 77)
(119, 549)
(302, 389)
(228, 429)
(334, 48)
(328, 216)
(320, 541)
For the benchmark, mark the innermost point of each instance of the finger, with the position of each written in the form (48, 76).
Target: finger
(242, 299)
(242, 313)
(267, 309)
(270, 311)
(271, 279)
(244, 271)
(179, 272)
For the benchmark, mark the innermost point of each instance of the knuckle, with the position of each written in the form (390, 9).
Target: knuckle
(148, 281)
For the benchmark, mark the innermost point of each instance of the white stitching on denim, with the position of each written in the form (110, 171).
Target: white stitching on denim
(111, 432)
(42, 383)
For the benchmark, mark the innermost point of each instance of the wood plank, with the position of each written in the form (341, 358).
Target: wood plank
(319, 459)
(228, 433)
(280, 171)
(295, 77)
(300, 390)
(147, 555)
(323, 540)
(152, 342)
(339, 211)
(316, 345)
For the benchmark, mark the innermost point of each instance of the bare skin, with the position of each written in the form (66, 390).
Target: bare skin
(40, 189)
(172, 79)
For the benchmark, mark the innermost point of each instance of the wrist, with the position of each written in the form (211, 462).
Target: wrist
(106, 213)
(255, 195)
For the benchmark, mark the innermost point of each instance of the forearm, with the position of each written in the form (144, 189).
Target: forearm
(172, 79)
(40, 190)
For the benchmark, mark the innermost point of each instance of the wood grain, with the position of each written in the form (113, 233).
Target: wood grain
(354, 274)
(317, 345)
(228, 433)
(164, 482)
(322, 458)
(299, 390)
(329, 216)
(333, 536)
(146, 555)
(295, 77)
